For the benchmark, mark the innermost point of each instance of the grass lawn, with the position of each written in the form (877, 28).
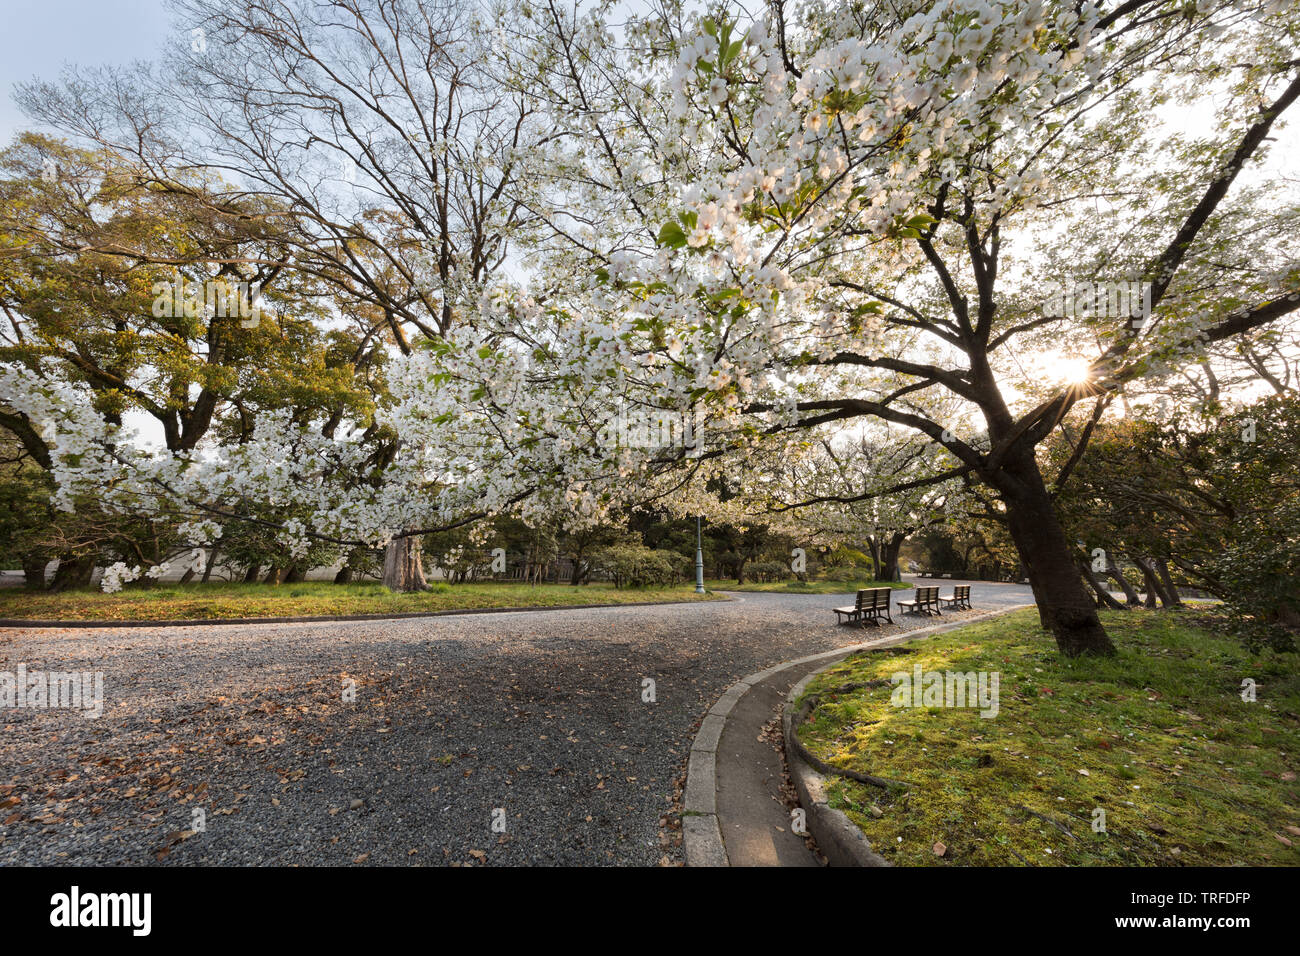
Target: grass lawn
(218, 600)
(804, 587)
(1159, 737)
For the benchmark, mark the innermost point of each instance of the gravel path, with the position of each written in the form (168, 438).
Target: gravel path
(536, 720)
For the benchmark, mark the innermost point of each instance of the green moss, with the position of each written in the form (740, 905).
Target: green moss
(1158, 737)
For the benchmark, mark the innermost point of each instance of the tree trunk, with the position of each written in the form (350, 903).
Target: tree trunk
(1104, 598)
(1064, 607)
(273, 575)
(889, 558)
(344, 576)
(212, 563)
(34, 572)
(73, 572)
(1113, 572)
(1162, 569)
(250, 576)
(187, 577)
(295, 575)
(1152, 585)
(404, 565)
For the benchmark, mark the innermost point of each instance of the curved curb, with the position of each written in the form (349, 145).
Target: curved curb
(701, 835)
(319, 618)
(838, 837)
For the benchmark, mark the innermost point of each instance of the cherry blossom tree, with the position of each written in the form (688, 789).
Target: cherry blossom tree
(754, 230)
(865, 198)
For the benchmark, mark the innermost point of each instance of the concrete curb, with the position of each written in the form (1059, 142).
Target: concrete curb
(839, 839)
(319, 618)
(701, 835)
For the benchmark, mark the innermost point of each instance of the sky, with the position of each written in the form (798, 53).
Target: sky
(40, 37)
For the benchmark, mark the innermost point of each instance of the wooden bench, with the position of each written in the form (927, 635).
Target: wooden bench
(924, 600)
(960, 597)
(870, 604)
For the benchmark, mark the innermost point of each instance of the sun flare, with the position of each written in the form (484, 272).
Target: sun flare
(1066, 369)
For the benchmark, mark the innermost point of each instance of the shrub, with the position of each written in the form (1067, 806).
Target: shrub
(679, 563)
(848, 575)
(842, 556)
(768, 571)
(1259, 572)
(635, 565)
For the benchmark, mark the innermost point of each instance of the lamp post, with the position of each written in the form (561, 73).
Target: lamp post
(699, 558)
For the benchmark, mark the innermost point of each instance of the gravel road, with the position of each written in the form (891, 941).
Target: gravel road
(500, 739)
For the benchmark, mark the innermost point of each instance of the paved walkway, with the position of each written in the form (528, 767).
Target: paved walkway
(537, 723)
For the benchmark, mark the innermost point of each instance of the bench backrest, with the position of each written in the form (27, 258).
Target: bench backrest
(927, 594)
(870, 599)
(961, 590)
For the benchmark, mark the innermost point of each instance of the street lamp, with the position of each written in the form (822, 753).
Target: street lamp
(699, 558)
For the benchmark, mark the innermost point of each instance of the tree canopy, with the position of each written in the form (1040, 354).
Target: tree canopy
(818, 264)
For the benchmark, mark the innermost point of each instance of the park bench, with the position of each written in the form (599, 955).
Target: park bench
(960, 597)
(923, 600)
(870, 603)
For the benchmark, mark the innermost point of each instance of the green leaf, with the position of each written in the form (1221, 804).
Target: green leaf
(672, 235)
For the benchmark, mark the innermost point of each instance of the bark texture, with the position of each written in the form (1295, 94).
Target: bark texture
(404, 565)
(1064, 605)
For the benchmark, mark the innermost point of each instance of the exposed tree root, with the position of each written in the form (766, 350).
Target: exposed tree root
(821, 766)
